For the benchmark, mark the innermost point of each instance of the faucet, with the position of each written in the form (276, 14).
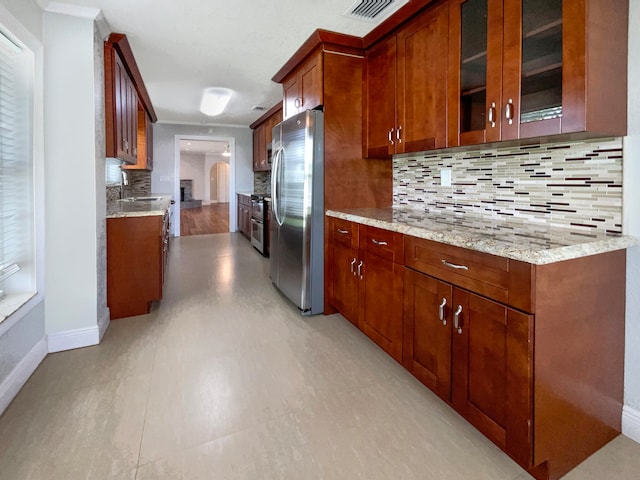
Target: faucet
(124, 181)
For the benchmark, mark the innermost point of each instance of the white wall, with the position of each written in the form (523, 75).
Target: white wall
(631, 225)
(72, 207)
(163, 178)
(192, 168)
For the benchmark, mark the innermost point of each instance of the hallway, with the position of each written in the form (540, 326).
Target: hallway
(224, 379)
(204, 220)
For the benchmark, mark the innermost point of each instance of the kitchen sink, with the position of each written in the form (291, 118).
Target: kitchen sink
(141, 199)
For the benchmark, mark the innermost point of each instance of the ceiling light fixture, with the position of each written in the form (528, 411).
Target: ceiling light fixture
(226, 152)
(214, 100)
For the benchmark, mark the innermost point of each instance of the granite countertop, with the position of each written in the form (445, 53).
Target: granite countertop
(123, 208)
(538, 244)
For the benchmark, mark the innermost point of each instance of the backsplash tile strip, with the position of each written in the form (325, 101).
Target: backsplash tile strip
(568, 184)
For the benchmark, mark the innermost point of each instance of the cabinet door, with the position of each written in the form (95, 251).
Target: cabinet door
(303, 89)
(427, 331)
(259, 149)
(121, 85)
(343, 253)
(344, 281)
(533, 68)
(380, 95)
(381, 302)
(475, 71)
(492, 371)
(422, 82)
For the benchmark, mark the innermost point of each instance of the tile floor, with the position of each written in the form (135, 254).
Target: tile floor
(225, 380)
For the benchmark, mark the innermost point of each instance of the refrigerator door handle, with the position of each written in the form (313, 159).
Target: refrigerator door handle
(275, 186)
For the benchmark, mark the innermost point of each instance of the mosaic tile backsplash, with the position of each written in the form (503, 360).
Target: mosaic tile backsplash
(577, 184)
(262, 182)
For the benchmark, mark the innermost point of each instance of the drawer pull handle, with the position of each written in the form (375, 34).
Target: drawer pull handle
(343, 232)
(456, 319)
(353, 263)
(442, 305)
(376, 242)
(360, 269)
(453, 265)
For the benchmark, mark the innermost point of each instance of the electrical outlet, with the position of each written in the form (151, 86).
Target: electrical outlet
(445, 177)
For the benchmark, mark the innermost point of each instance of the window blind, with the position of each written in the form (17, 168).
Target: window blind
(15, 159)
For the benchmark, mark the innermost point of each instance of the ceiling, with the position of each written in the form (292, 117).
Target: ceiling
(202, 147)
(185, 46)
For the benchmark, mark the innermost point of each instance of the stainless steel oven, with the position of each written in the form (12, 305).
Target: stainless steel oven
(257, 223)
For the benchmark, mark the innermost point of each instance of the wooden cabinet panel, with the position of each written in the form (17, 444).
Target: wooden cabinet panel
(144, 159)
(474, 353)
(502, 279)
(492, 371)
(125, 97)
(135, 263)
(406, 85)
(427, 331)
(528, 68)
(263, 136)
(380, 98)
(366, 283)
(302, 89)
(381, 302)
(244, 215)
(422, 82)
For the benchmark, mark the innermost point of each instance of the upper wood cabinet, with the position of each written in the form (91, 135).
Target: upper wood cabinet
(406, 88)
(263, 136)
(125, 94)
(302, 89)
(530, 68)
(144, 142)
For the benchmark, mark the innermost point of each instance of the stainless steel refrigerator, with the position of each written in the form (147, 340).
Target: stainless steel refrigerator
(297, 217)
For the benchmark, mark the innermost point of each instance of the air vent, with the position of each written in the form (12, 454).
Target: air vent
(374, 10)
(258, 108)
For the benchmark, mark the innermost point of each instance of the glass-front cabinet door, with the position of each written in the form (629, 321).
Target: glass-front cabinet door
(532, 68)
(475, 71)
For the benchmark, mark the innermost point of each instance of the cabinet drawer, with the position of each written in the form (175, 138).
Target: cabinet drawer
(383, 243)
(502, 279)
(344, 232)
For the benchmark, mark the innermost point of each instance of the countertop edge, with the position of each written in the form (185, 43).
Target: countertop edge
(539, 257)
(156, 208)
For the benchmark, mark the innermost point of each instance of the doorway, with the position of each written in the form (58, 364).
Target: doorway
(204, 186)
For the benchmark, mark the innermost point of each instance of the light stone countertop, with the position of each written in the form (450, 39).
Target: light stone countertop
(123, 208)
(538, 244)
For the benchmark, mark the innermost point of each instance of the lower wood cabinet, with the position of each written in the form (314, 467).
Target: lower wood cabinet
(137, 249)
(244, 215)
(474, 353)
(367, 281)
(531, 355)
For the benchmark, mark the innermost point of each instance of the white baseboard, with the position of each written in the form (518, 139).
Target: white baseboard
(78, 338)
(11, 385)
(631, 423)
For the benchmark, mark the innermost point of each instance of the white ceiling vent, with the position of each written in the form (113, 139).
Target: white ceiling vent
(374, 10)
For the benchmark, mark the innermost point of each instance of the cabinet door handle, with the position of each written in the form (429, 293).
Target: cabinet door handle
(508, 111)
(442, 305)
(360, 269)
(376, 242)
(353, 263)
(399, 134)
(491, 114)
(343, 232)
(453, 265)
(391, 137)
(298, 102)
(456, 319)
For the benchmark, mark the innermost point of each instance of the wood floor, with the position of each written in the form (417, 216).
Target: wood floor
(207, 219)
